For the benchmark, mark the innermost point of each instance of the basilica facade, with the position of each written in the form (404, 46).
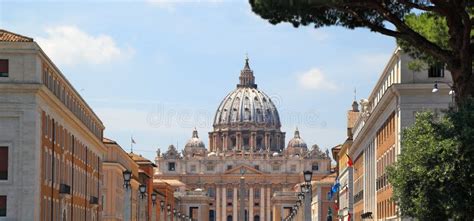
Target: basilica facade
(248, 172)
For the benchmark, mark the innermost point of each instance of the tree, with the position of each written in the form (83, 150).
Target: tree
(433, 30)
(433, 178)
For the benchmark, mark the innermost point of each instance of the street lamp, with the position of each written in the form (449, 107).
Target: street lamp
(142, 189)
(162, 205)
(127, 176)
(153, 198)
(307, 176)
(435, 89)
(168, 208)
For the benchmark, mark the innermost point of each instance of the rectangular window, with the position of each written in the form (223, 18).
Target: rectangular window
(193, 168)
(315, 167)
(229, 167)
(171, 166)
(210, 167)
(276, 167)
(3, 206)
(3, 163)
(3, 68)
(436, 71)
(293, 168)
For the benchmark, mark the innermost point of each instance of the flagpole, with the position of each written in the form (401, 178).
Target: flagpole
(131, 144)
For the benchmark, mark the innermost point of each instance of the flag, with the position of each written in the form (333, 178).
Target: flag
(336, 186)
(133, 141)
(349, 217)
(349, 161)
(336, 207)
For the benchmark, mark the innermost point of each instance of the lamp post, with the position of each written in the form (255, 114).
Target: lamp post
(142, 191)
(308, 176)
(168, 211)
(452, 91)
(153, 201)
(162, 208)
(127, 176)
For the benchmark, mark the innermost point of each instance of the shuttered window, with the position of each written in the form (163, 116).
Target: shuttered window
(3, 163)
(3, 68)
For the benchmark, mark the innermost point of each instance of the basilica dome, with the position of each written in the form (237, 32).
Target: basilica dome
(247, 105)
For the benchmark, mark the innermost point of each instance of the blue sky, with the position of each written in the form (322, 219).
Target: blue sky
(157, 69)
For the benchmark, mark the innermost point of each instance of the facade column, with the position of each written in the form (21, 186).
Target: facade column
(218, 204)
(224, 204)
(234, 205)
(211, 142)
(268, 204)
(227, 141)
(262, 203)
(251, 204)
(267, 141)
(278, 140)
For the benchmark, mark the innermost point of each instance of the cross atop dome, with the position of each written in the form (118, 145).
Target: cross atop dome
(247, 79)
(297, 133)
(195, 133)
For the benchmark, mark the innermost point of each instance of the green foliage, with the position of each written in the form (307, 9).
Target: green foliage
(431, 31)
(432, 27)
(417, 65)
(321, 12)
(433, 178)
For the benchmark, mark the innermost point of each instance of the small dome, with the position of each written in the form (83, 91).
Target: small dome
(194, 146)
(195, 141)
(297, 142)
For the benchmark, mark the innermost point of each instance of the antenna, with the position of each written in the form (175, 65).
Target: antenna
(355, 93)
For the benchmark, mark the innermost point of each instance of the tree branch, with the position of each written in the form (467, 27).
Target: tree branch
(373, 26)
(412, 36)
(420, 7)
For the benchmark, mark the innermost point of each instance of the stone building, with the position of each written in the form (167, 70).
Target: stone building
(247, 173)
(374, 140)
(50, 139)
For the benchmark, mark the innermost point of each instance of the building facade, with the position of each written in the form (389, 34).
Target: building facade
(114, 193)
(398, 95)
(247, 173)
(51, 140)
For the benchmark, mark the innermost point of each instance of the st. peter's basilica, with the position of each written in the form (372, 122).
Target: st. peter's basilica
(246, 142)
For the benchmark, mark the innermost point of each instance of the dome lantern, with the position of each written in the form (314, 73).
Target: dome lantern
(247, 79)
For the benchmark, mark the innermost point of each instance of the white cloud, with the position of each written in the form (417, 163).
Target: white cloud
(314, 79)
(70, 45)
